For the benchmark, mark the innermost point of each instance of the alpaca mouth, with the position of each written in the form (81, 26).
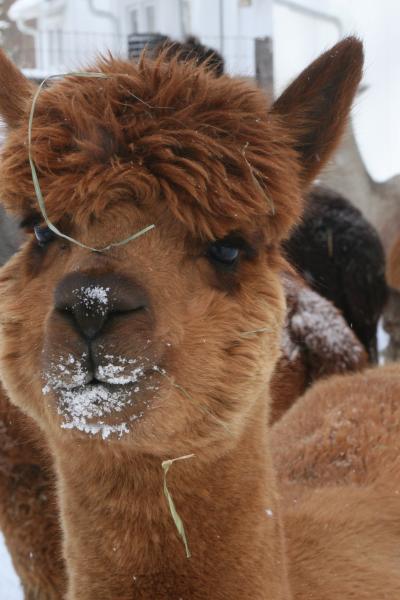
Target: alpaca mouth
(106, 401)
(98, 407)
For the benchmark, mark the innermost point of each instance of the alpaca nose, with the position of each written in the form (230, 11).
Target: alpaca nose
(92, 300)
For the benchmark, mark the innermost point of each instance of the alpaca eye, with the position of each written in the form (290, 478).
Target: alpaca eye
(43, 234)
(224, 253)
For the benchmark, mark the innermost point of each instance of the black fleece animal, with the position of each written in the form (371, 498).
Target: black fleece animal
(340, 255)
(191, 48)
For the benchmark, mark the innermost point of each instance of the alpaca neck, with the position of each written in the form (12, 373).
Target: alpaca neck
(121, 541)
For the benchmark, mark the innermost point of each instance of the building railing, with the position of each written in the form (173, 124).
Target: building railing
(55, 51)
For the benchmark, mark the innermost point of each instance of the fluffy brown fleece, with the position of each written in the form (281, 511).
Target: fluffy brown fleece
(201, 158)
(28, 511)
(164, 132)
(339, 474)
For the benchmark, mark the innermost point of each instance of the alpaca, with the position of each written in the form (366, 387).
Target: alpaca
(339, 474)
(393, 265)
(342, 258)
(379, 201)
(391, 315)
(316, 342)
(141, 353)
(361, 298)
(391, 324)
(28, 511)
(192, 49)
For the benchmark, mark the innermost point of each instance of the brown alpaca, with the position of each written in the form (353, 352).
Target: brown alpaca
(131, 356)
(28, 512)
(339, 475)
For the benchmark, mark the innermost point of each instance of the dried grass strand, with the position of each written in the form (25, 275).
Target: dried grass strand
(166, 464)
(256, 182)
(35, 178)
(255, 331)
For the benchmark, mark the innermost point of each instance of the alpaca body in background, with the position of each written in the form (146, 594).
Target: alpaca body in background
(147, 351)
(393, 266)
(28, 506)
(316, 343)
(342, 450)
(391, 321)
(191, 49)
(341, 256)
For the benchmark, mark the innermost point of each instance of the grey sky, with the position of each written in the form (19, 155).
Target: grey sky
(377, 111)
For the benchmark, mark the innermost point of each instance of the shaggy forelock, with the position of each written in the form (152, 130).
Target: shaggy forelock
(158, 131)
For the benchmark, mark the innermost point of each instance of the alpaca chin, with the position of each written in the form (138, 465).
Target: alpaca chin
(104, 409)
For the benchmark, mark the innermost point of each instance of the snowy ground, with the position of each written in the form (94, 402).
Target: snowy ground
(10, 587)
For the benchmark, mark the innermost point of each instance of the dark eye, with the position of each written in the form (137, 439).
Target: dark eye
(43, 234)
(223, 253)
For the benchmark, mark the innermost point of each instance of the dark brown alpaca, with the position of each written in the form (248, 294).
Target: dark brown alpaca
(135, 355)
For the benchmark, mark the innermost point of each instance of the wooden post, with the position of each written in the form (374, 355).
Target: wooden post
(265, 65)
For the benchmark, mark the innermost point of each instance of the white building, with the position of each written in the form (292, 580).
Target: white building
(67, 33)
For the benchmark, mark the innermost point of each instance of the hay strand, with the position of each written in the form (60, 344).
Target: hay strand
(166, 464)
(255, 331)
(256, 182)
(35, 178)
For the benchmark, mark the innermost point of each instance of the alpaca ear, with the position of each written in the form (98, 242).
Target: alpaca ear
(316, 105)
(15, 91)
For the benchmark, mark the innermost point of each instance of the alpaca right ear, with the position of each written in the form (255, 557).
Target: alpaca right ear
(15, 91)
(315, 107)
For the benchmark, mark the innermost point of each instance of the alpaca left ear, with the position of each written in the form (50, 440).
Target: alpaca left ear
(15, 92)
(315, 107)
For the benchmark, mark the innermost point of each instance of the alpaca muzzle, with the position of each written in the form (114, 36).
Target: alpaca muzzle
(90, 302)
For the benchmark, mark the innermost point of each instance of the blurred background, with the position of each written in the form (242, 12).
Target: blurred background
(268, 41)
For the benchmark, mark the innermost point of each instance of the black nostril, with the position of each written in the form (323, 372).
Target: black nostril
(90, 300)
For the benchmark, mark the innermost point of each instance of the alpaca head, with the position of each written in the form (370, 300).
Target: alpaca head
(148, 343)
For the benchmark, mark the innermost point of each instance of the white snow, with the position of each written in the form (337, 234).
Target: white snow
(383, 342)
(91, 401)
(290, 350)
(316, 320)
(94, 297)
(10, 586)
(82, 405)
